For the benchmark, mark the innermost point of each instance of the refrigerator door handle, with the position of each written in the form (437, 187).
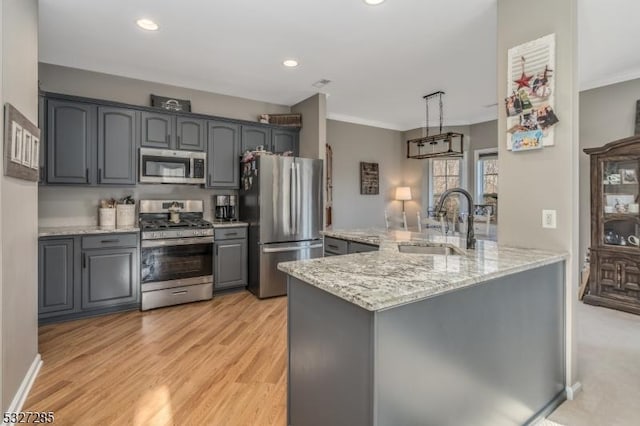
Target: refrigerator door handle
(292, 188)
(284, 249)
(298, 199)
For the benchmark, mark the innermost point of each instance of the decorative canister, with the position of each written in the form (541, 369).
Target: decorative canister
(107, 217)
(125, 215)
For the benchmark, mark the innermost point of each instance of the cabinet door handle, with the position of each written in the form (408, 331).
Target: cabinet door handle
(99, 175)
(178, 140)
(86, 175)
(41, 174)
(109, 241)
(84, 260)
(177, 293)
(210, 180)
(168, 138)
(231, 233)
(332, 246)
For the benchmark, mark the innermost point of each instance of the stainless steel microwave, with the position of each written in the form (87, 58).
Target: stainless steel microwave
(169, 166)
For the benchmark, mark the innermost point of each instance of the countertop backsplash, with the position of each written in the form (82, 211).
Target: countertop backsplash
(78, 206)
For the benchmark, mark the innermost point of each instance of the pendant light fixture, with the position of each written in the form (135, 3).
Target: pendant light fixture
(448, 144)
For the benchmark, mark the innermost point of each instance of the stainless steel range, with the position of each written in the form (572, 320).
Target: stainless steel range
(176, 253)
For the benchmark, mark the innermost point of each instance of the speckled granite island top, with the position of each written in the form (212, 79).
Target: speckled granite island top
(81, 230)
(387, 278)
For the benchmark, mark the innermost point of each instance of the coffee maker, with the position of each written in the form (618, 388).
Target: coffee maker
(226, 207)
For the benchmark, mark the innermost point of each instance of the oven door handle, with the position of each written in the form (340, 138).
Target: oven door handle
(177, 242)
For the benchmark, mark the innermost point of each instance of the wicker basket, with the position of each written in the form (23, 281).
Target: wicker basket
(286, 120)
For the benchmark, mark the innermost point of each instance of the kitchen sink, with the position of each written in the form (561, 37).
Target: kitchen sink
(432, 250)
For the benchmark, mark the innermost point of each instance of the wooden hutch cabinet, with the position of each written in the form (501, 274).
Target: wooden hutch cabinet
(614, 279)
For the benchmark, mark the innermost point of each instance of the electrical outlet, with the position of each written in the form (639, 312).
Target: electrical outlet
(549, 219)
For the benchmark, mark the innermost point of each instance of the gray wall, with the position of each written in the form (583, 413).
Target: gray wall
(19, 212)
(63, 206)
(547, 178)
(415, 173)
(483, 136)
(606, 114)
(351, 144)
(313, 135)
(73, 81)
(77, 206)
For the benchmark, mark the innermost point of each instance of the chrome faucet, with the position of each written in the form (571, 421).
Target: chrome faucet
(471, 240)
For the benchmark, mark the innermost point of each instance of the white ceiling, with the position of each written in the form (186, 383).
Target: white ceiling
(381, 59)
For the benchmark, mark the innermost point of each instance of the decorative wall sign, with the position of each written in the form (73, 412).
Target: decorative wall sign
(21, 145)
(171, 104)
(531, 89)
(369, 179)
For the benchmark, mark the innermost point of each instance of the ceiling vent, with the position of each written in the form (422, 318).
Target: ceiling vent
(321, 83)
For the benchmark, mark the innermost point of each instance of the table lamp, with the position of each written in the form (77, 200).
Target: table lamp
(403, 193)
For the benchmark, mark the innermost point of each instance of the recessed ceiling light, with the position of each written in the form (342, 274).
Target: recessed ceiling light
(374, 2)
(291, 63)
(147, 24)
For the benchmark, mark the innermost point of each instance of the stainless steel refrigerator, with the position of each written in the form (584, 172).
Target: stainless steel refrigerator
(281, 199)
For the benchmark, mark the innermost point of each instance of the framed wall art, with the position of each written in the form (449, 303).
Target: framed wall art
(21, 145)
(369, 178)
(530, 101)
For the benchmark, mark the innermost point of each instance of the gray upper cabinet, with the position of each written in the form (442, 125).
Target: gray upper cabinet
(55, 276)
(190, 133)
(230, 267)
(158, 130)
(117, 141)
(285, 140)
(71, 137)
(255, 136)
(223, 154)
(109, 277)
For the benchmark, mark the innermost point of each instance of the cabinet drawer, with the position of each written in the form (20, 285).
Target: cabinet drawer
(335, 246)
(176, 295)
(230, 233)
(361, 248)
(109, 240)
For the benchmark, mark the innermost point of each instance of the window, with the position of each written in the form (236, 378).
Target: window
(489, 176)
(487, 171)
(445, 173)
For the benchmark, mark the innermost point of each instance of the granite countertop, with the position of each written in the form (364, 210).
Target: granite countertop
(81, 230)
(229, 224)
(387, 278)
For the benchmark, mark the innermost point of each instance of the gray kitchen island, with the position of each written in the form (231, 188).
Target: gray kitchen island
(423, 332)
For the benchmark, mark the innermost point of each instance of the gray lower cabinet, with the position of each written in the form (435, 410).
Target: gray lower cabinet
(190, 134)
(283, 140)
(81, 276)
(336, 247)
(157, 129)
(56, 276)
(254, 137)
(71, 138)
(117, 141)
(109, 277)
(355, 247)
(230, 258)
(223, 154)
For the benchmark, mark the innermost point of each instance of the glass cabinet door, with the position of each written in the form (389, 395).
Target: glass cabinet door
(620, 202)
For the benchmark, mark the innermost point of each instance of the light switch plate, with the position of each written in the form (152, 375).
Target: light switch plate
(549, 219)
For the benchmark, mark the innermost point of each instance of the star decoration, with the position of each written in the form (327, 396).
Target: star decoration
(523, 81)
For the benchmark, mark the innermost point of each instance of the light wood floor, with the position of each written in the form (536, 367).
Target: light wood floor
(221, 362)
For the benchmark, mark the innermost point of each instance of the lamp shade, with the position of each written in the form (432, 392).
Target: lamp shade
(403, 193)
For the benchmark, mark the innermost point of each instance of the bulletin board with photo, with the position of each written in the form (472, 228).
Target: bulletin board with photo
(530, 97)
(21, 145)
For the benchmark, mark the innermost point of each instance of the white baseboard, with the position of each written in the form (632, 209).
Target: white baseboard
(25, 387)
(573, 390)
